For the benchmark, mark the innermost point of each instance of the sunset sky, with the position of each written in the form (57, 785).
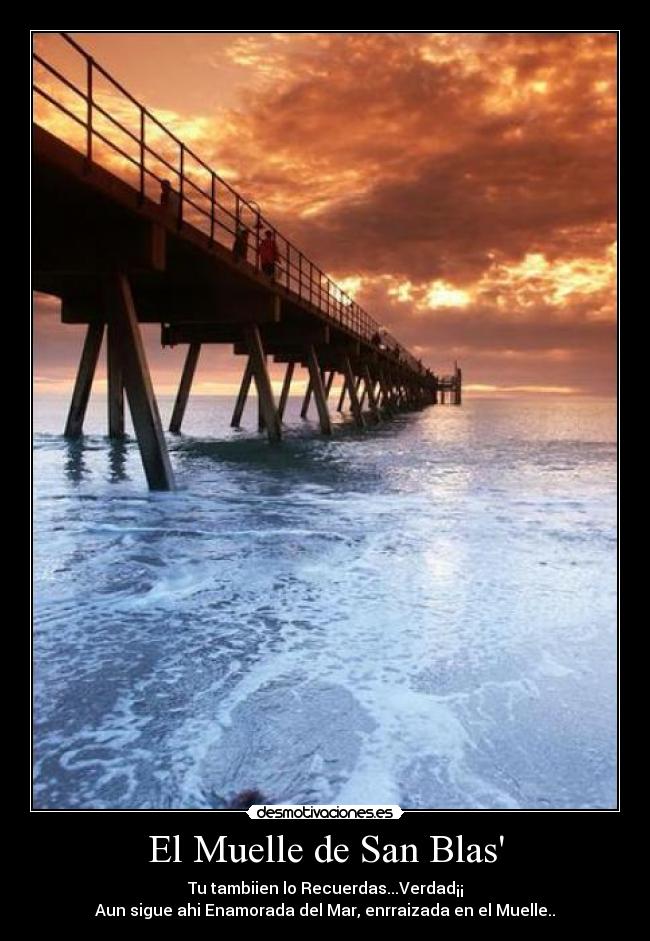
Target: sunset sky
(461, 186)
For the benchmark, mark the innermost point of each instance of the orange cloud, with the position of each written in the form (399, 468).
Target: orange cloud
(461, 186)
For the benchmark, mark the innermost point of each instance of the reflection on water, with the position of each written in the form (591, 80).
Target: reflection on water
(75, 466)
(117, 452)
(423, 613)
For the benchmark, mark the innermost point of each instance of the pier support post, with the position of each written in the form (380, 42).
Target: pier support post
(184, 388)
(115, 383)
(243, 395)
(306, 400)
(138, 385)
(261, 424)
(376, 391)
(372, 402)
(364, 391)
(391, 392)
(268, 411)
(344, 389)
(316, 382)
(310, 388)
(385, 401)
(83, 383)
(352, 392)
(286, 385)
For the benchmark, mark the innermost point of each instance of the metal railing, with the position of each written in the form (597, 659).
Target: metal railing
(197, 195)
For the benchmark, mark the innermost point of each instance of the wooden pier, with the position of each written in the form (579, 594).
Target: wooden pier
(130, 247)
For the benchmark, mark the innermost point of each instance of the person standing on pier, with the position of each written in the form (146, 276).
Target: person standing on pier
(240, 246)
(269, 254)
(169, 198)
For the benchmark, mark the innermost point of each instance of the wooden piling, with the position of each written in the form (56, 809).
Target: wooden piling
(138, 385)
(384, 392)
(372, 402)
(115, 392)
(184, 388)
(84, 380)
(243, 395)
(267, 407)
(308, 394)
(391, 391)
(306, 401)
(316, 380)
(286, 385)
(352, 392)
(261, 424)
(364, 391)
(344, 388)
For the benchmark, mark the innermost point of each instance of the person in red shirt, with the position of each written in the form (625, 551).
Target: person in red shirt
(269, 254)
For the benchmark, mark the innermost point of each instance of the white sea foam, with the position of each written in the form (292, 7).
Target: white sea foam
(423, 614)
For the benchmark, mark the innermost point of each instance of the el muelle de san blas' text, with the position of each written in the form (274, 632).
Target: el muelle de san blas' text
(275, 848)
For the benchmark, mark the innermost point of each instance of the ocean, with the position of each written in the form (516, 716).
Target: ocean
(423, 613)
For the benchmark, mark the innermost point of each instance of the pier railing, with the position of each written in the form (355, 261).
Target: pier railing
(110, 126)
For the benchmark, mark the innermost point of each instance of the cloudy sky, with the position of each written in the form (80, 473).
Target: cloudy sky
(461, 186)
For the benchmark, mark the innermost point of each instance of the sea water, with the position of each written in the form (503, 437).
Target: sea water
(422, 613)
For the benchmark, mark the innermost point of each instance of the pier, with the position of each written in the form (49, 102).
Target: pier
(130, 226)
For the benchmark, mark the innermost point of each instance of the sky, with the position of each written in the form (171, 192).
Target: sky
(461, 186)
